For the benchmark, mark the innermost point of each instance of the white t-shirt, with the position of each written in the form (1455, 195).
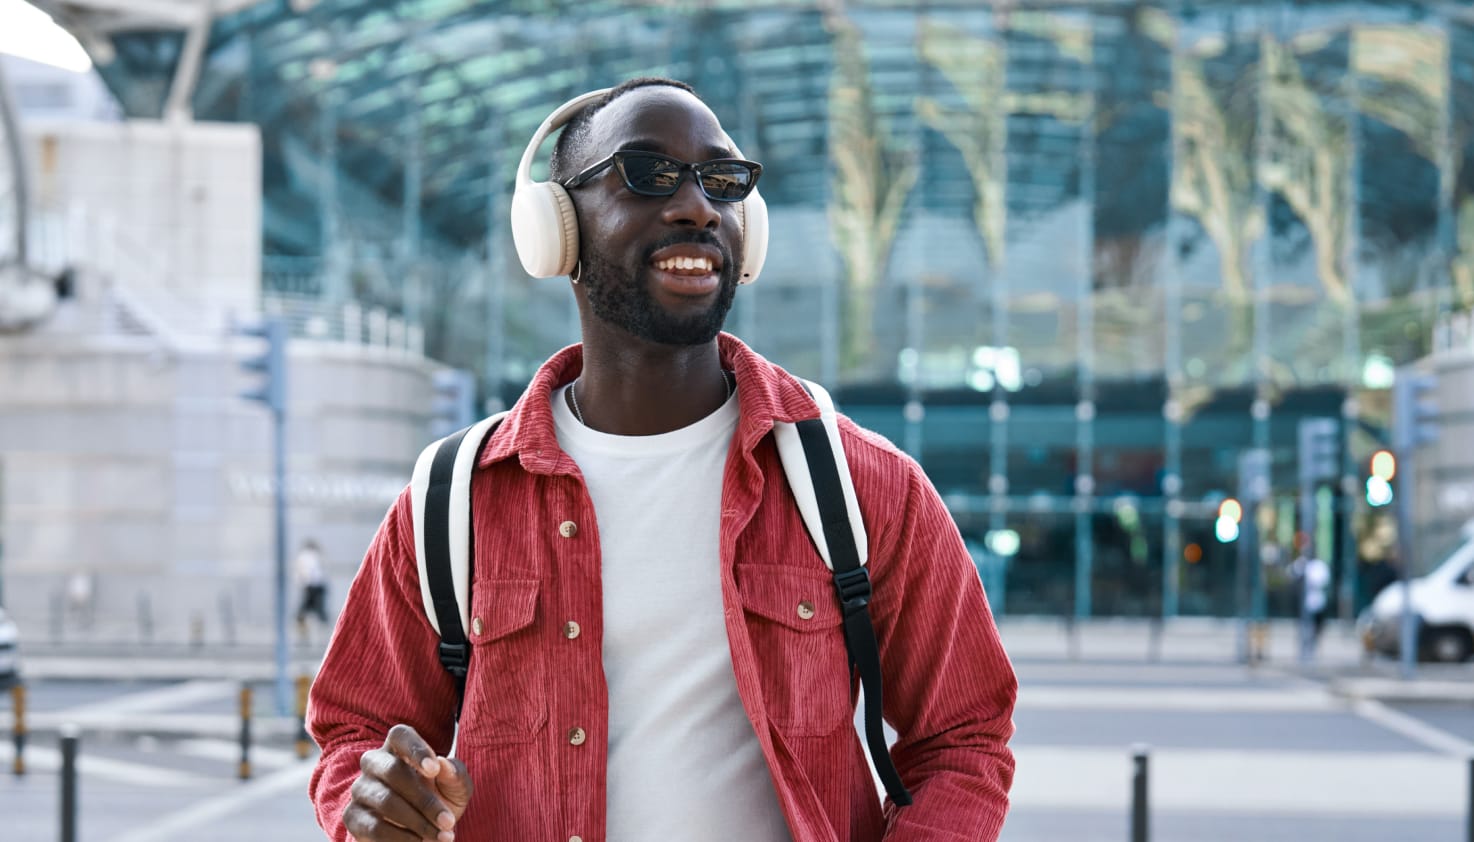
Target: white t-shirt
(684, 762)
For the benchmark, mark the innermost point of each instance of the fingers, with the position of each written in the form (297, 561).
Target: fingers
(407, 744)
(364, 826)
(382, 803)
(454, 785)
(396, 797)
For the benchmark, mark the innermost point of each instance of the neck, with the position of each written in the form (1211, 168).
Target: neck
(638, 388)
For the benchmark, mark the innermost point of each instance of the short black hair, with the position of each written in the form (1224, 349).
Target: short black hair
(576, 131)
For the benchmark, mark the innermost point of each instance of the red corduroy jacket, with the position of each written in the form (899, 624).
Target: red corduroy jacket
(533, 731)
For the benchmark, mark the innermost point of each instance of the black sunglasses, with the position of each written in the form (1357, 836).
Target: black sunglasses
(653, 174)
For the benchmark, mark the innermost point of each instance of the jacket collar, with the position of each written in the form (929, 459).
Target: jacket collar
(768, 394)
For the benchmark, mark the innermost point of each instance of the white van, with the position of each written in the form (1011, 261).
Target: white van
(1443, 601)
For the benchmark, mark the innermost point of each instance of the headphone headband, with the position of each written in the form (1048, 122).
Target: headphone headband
(567, 111)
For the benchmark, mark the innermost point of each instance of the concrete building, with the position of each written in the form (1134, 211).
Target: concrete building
(136, 486)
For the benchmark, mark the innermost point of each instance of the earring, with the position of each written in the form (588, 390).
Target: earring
(577, 272)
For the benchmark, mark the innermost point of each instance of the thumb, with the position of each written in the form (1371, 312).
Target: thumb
(454, 784)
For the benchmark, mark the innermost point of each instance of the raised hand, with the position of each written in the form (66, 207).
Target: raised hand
(406, 793)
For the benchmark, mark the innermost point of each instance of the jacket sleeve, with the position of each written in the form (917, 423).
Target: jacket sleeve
(949, 686)
(380, 670)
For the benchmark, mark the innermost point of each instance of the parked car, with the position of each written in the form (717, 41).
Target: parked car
(9, 660)
(1443, 604)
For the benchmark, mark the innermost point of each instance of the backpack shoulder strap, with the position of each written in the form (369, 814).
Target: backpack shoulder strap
(791, 450)
(819, 475)
(440, 493)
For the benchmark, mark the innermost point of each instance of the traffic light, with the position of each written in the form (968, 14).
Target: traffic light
(1229, 515)
(1379, 482)
(270, 365)
(454, 405)
(1414, 414)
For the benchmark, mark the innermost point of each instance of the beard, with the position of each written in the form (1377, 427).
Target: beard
(623, 298)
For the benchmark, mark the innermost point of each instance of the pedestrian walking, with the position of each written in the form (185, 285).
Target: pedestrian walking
(312, 580)
(1314, 578)
(657, 650)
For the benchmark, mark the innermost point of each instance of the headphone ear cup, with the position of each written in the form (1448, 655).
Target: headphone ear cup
(754, 237)
(544, 229)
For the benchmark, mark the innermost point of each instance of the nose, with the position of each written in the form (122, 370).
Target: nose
(689, 206)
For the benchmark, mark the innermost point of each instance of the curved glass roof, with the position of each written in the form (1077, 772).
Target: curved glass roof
(1021, 177)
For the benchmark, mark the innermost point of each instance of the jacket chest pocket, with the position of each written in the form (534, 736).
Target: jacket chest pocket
(506, 685)
(797, 634)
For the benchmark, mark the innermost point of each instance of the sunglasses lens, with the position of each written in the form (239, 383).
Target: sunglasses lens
(650, 175)
(726, 181)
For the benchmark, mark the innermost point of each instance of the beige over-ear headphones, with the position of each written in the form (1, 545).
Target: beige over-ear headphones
(545, 229)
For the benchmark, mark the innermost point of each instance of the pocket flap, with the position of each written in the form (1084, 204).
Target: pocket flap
(802, 600)
(503, 606)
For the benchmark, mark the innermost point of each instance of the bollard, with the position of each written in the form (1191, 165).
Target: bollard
(1139, 812)
(18, 703)
(304, 743)
(1470, 830)
(69, 736)
(245, 767)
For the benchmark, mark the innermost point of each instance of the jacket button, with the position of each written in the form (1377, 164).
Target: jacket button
(477, 627)
(571, 629)
(806, 610)
(568, 529)
(575, 839)
(576, 736)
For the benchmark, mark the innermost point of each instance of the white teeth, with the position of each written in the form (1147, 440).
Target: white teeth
(686, 263)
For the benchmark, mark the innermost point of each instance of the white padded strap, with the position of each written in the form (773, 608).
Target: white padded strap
(796, 468)
(459, 516)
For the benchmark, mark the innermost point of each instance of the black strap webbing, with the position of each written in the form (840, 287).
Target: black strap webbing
(453, 651)
(852, 584)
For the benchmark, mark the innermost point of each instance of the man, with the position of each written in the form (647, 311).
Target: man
(658, 649)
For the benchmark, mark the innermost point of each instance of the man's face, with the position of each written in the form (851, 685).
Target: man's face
(664, 269)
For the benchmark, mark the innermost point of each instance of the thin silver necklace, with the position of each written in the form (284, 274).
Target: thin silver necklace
(727, 378)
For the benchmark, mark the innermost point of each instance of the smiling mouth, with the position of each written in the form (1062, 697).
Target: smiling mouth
(694, 266)
(687, 275)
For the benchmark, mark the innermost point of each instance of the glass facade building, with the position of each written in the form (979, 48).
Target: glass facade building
(1075, 257)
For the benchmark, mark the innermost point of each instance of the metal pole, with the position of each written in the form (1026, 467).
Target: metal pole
(10, 138)
(69, 737)
(279, 424)
(1469, 829)
(1140, 814)
(1407, 648)
(18, 700)
(1085, 368)
(245, 766)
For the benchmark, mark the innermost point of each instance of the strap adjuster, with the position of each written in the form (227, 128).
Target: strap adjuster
(853, 587)
(455, 657)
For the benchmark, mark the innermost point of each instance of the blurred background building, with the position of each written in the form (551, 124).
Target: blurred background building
(1075, 257)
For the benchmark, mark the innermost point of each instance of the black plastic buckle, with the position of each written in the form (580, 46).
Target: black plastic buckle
(853, 587)
(455, 657)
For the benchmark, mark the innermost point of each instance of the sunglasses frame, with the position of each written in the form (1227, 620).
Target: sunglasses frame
(616, 160)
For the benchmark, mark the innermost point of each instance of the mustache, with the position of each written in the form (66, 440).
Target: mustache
(700, 238)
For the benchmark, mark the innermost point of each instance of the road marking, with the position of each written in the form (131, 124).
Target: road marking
(43, 758)
(1413, 728)
(1266, 783)
(156, 699)
(1208, 700)
(213, 809)
(230, 752)
(159, 699)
